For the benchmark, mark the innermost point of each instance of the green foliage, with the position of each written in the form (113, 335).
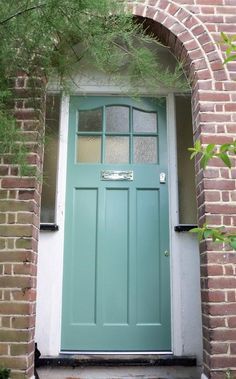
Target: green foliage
(230, 42)
(211, 151)
(55, 35)
(12, 144)
(216, 234)
(4, 373)
(58, 35)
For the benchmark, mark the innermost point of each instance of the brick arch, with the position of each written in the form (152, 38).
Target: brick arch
(191, 43)
(186, 35)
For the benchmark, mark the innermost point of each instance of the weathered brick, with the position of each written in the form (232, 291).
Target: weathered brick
(14, 362)
(15, 231)
(23, 322)
(24, 243)
(15, 281)
(14, 308)
(21, 348)
(3, 349)
(18, 183)
(14, 336)
(15, 206)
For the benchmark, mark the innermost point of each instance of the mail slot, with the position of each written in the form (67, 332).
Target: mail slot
(117, 175)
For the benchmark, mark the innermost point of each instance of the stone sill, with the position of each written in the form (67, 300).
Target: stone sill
(112, 360)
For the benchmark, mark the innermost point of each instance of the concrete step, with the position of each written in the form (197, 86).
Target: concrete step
(135, 372)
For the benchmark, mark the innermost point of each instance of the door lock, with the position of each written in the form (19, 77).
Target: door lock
(162, 178)
(166, 253)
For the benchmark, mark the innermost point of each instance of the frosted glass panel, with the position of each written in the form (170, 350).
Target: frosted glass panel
(90, 121)
(50, 158)
(89, 149)
(144, 121)
(145, 150)
(117, 119)
(117, 149)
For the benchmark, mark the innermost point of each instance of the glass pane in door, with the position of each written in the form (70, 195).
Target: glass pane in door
(144, 122)
(117, 149)
(117, 119)
(90, 120)
(89, 149)
(145, 149)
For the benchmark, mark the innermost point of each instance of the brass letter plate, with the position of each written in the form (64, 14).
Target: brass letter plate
(117, 175)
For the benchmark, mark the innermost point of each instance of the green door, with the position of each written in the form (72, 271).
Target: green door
(116, 287)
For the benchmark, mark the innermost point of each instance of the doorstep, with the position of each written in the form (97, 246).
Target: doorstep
(143, 372)
(115, 360)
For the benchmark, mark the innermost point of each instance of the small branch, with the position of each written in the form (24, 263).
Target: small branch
(22, 12)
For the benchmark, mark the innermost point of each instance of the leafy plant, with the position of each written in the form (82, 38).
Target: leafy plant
(212, 151)
(5, 373)
(230, 42)
(56, 37)
(216, 234)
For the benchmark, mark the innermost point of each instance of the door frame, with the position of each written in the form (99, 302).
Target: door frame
(177, 321)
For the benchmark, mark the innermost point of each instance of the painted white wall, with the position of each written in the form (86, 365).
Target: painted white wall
(185, 267)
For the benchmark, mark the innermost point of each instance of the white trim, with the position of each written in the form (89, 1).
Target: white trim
(203, 376)
(175, 277)
(48, 327)
(50, 257)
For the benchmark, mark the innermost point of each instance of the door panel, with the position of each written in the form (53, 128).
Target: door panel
(116, 287)
(115, 280)
(84, 255)
(148, 265)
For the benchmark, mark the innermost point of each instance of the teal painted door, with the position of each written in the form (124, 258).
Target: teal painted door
(116, 287)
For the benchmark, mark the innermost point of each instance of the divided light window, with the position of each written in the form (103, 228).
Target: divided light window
(117, 134)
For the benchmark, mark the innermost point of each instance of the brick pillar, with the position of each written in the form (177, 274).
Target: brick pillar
(19, 227)
(218, 267)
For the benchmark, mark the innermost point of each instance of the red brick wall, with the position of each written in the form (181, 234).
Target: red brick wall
(192, 29)
(19, 221)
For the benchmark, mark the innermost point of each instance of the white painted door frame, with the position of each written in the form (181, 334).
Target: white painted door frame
(50, 265)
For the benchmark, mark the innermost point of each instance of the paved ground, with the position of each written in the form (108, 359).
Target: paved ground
(120, 373)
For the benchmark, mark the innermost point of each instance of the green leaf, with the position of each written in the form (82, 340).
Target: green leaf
(225, 147)
(205, 159)
(232, 243)
(198, 146)
(224, 157)
(224, 37)
(208, 233)
(230, 59)
(195, 230)
(210, 147)
(193, 154)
